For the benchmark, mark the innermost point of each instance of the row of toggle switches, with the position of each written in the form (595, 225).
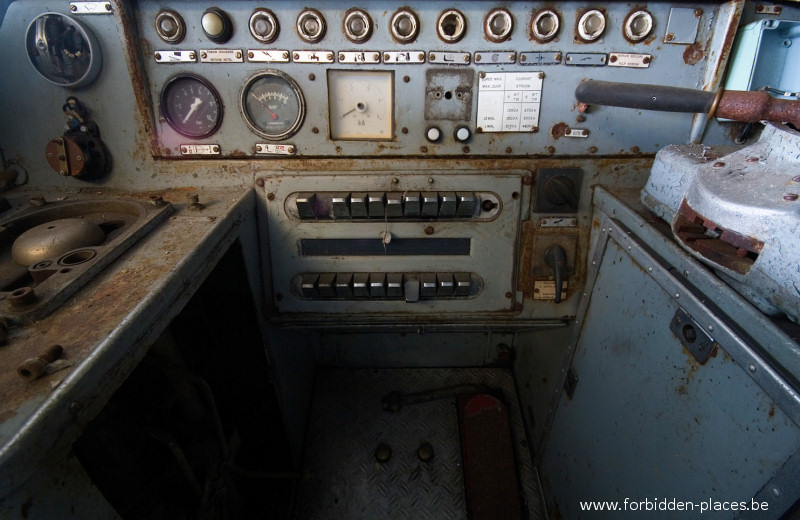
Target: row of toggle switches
(411, 287)
(396, 205)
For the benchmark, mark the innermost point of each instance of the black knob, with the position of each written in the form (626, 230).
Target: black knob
(560, 191)
(556, 258)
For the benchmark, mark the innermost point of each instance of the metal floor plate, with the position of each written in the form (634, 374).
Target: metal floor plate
(347, 424)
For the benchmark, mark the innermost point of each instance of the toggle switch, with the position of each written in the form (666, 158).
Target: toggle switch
(394, 205)
(377, 285)
(358, 205)
(463, 284)
(430, 204)
(361, 285)
(444, 282)
(326, 285)
(343, 285)
(340, 202)
(394, 285)
(465, 204)
(375, 204)
(411, 288)
(447, 208)
(412, 204)
(305, 205)
(428, 285)
(308, 285)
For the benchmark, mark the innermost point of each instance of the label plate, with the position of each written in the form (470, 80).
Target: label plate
(509, 101)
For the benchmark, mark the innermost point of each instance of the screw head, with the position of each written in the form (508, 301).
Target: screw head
(719, 164)
(791, 197)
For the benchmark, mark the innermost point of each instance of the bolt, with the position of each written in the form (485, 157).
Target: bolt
(465, 149)
(646, 60)
(791, 197)
(592, 149)
(192, 56)
(551, 149)
(425, 452)
(386, 56)
(290, 149)
(421, 56)
(73, 8)
(238, 55)
(581, 118)
(423, 149)
(376, 56)
(482, 74)
(383, 453)
(260, 182)
(719, 164)
(613, 59)
(341, 56)
(534, 129)
(285, 55)
(669, 37)
(311, 77)
(558, 56)
(508, 149)
(541, 75)
(215, 149)
(315, 130)
(431, 180)
(466, 58)
(477, 58)
(203, 55)
(404, 130)
(330, 56)
(296, 56)
(270, 196)
(184, 149)
(251, 55)
(395, 180)
(32, 368)
(752, 368)
(479, 130)
(512, 58)
(259, 148)
(428, 230)
(527, 180)
(431, 57)
(108, 7)
(698, 12)
(635, 149)
(406, 79)
(158, 56)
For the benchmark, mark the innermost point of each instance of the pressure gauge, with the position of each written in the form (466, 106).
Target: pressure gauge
(191, 106)
(272, 104)
(361, 104)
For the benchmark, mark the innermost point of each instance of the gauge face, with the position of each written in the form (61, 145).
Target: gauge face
(191, 106)
(360, 104)
(272, 105)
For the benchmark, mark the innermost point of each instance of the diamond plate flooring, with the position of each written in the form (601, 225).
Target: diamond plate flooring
(347, 424)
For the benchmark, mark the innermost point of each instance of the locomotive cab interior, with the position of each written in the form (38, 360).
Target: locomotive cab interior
(435, 260)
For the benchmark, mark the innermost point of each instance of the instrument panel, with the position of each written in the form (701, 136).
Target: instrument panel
(425, 79)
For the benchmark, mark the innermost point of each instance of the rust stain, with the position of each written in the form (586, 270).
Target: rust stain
(559, 130)
(772, 410)
(693, 54)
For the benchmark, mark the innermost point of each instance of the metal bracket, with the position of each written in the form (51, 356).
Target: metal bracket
(692, 336)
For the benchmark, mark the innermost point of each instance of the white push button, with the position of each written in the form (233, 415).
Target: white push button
(433, 134)
(462, 134)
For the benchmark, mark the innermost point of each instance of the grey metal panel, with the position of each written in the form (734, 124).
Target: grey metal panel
(672, 428)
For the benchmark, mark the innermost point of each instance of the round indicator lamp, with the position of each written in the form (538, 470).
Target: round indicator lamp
(272, 104)
(191, 106)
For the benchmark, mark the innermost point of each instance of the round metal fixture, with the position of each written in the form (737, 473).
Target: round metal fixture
(63, 50)
(191, 106)
(357, 25)
(638, 25)
(451, 26)
(53, 239)
(591, 25)
(462, 134)
(404, 26)
(272, 104)
(545, 25)
(264, 26)
(170, 26)
(497, 25)
(433, 134)
(217, 25)
(310, 25)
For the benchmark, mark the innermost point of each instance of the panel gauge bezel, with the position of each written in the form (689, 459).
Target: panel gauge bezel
(169, 115)
(292, 85)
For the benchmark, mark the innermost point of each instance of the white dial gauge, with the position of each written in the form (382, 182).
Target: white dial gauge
(361, 104)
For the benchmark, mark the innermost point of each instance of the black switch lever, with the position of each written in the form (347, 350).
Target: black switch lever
(556, 258)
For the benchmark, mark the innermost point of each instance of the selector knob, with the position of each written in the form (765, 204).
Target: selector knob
(462, 134)
(217, 25)
(433, 134)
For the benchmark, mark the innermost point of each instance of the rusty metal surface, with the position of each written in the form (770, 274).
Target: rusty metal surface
(105, 329)
(757, 106)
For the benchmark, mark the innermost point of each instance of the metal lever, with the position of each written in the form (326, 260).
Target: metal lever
(556, 258)
(747, 106)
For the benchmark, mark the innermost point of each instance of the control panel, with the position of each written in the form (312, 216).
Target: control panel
(424, 79)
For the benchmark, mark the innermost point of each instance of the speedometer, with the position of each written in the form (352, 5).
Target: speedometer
(272, 105)
(191, 106)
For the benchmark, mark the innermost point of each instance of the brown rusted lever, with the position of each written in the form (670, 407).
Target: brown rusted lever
(747, 106)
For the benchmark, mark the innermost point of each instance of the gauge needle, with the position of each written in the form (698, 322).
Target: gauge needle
(197, 102)
(349, 112)
(272, 114)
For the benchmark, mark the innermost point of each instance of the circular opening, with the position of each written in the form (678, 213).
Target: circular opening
(545, 25)
(591, 25)
(638, 25)
(404, 26)
(498, 25)
(451, 26)
(448, 95)
(170, 26)
(263, 26)
(22, 291)
(310, 26)
(515, 195)
(357, 26)
(77, 257)
(65, 270)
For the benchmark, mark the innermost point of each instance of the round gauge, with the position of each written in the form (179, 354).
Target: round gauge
(272, 104)
(63, 50)
(191, 106)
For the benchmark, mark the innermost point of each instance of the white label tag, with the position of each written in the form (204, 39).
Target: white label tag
(624, 59)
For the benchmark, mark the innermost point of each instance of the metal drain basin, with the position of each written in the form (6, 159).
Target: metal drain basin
(48, 253)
